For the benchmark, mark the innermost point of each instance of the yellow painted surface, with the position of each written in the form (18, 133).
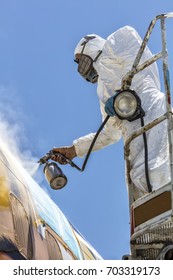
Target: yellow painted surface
(4, 191)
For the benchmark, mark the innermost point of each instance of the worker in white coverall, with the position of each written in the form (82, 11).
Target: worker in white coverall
(112, 59)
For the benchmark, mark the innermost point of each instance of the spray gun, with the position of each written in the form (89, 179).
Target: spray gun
(49, 155)
(53, 172)
(45, 159)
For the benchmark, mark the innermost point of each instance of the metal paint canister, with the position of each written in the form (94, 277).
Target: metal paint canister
(54, 175)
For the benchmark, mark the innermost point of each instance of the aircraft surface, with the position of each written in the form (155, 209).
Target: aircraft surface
(32, 221)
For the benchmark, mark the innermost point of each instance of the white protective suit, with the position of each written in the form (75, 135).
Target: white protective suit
(118, 54)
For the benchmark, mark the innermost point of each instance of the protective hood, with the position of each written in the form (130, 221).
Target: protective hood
(93, 46)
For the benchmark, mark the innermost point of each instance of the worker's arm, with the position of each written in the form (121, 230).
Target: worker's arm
(110, 134)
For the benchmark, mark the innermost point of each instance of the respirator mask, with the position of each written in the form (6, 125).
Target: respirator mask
(85, 63)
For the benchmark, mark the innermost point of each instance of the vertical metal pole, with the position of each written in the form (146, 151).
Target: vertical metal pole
(127, 79)
(168, 95)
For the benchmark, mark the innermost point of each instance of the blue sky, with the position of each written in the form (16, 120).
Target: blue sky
(48, 104)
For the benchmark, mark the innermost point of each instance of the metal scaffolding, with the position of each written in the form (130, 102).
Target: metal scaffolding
(151, 232)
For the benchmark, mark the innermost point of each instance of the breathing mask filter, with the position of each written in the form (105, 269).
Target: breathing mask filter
(85, 63)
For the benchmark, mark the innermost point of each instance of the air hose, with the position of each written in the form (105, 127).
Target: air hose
(49, 155)
(94, 140)
(146, 158)
(90, 148)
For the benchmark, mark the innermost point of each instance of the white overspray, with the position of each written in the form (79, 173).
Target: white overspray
(12, 132)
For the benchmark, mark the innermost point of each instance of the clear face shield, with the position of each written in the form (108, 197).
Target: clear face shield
(85, 64)
(86, 69)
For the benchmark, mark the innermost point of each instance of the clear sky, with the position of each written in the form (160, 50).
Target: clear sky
(44, 102)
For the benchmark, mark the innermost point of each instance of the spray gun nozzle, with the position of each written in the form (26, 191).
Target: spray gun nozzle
(45, 159)
(65, 160)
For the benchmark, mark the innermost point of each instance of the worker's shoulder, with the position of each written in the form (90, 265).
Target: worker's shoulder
(123, 31)
(126, 28)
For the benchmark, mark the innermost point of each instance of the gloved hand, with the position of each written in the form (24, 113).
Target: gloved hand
(109, 106)
(69, 152)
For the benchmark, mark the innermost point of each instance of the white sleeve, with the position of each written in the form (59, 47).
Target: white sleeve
(110, 134)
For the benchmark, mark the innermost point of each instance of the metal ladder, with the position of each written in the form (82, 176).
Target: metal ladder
(151, 216)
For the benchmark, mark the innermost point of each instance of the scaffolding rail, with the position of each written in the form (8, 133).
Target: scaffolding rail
(151, 217)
